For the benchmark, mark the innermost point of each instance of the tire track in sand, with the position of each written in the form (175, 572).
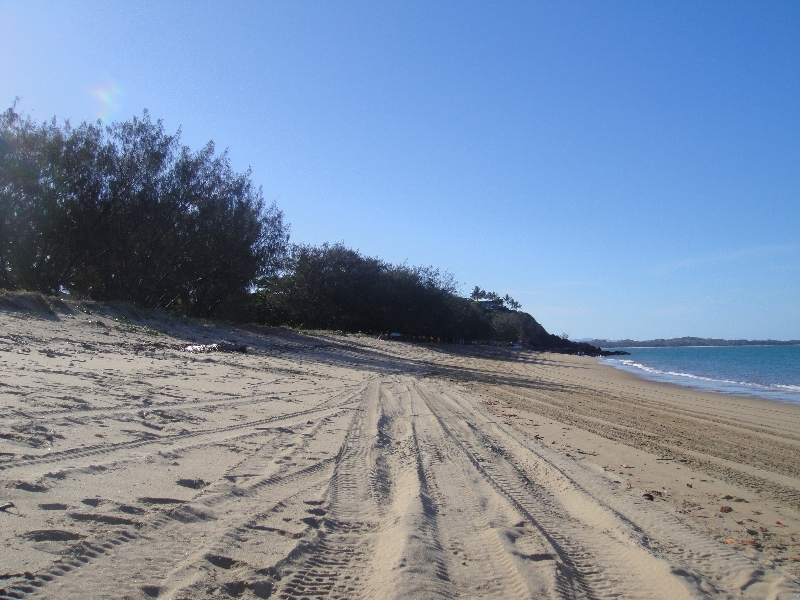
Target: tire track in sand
(332, 564)
(179, 539)
(612, 545)
(402, 519)
(106, 449)
(592, 566)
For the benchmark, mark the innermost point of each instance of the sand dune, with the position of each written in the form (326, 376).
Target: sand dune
(322, 466)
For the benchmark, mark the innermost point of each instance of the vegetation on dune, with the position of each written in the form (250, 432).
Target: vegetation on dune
(126, 212)
(334, 287)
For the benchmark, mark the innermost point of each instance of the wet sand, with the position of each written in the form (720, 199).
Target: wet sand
(332, 466)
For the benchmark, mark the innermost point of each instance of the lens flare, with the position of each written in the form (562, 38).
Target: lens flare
(108, 98)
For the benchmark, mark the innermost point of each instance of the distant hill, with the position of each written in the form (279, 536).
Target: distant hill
(688, 341)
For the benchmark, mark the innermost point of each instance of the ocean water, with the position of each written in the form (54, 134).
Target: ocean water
(771, 372)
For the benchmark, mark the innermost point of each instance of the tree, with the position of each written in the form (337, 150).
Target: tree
(506, 301)
(511, 303)
(334, 287)
(477, 294)
(125, 212)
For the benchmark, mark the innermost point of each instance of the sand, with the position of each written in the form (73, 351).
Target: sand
(329, 466)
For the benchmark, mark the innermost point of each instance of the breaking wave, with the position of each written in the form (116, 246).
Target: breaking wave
(782, 392)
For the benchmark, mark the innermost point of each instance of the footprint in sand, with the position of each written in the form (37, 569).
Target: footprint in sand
(51, 535)
(30, 487)
(194, 484)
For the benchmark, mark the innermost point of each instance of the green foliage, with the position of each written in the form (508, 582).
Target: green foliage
(126, 213)
(504, 301)
(518, 326)
(334, 287)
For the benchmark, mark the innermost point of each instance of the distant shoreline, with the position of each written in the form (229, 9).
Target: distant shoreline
(688, 342)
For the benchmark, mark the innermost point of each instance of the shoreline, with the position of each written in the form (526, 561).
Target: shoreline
(758, 403)
(774, 392)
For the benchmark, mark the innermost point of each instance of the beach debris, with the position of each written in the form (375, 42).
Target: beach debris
(538, 437)
(689, 485)
(626, 467)
(725, 509)
(648, 496)
(779, 523)
(628, 485)
(755, 512)
(218, 347)
(201, 348)
(731, 541)
(751, 542)
(8, 506)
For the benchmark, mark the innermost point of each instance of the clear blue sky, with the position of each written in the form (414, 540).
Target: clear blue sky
(623, 169)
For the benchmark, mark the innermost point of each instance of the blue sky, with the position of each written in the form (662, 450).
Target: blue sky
(623, 169)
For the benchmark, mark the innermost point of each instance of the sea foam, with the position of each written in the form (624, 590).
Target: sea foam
(771, 372)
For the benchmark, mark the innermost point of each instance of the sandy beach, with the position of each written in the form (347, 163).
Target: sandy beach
(330, 466)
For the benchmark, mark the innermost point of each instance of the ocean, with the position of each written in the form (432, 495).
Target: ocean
(771, 372)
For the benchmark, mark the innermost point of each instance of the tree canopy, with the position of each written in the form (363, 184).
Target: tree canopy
(125, 212)
(334, 287)
(504, 301)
